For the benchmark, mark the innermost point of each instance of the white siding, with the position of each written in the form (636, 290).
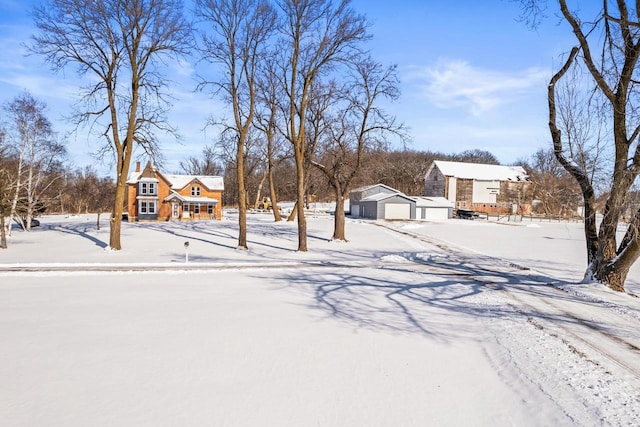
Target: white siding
(397, 211)
(485, 191)
(435, 213)
(451, 192)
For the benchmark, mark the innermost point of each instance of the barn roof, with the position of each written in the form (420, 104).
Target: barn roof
(480, 171)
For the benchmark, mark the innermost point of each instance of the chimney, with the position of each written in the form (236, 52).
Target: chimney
(137, 166)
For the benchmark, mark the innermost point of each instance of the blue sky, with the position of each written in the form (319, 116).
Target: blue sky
(472, 76)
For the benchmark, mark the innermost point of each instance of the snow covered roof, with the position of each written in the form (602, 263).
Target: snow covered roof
(482, 172)
(433, 202)
(209, 181)
(195, 200)
(180, 181)
(367, 187)
(381, 196)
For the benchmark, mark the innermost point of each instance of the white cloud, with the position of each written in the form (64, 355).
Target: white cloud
(41, 86)
(458, 84)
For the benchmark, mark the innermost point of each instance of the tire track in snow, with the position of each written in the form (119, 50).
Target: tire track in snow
(505, 268)
(564, 335)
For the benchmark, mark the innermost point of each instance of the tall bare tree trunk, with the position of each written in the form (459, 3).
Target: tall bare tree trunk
(339, 217)
(294, 213)
(260, 185)
(29, 191)
(115, 222)
(16, 194)
(300, 190)
(3, 233)
(277, 217)
(242, 196)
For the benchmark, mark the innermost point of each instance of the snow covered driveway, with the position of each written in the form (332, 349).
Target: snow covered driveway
(385, 330)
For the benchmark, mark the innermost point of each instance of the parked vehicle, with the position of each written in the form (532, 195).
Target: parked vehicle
(466, 214)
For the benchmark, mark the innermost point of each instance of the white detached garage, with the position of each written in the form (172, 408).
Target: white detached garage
(383, 202)
(433, 208)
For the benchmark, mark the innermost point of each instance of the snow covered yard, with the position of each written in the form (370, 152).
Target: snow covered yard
(407, 324)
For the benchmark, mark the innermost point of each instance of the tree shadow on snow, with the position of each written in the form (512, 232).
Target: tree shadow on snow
(226, 234)
(202, 234)
(81, 230)
(442, 297)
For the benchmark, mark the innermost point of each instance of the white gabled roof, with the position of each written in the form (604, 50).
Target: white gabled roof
(366, 187)
(481, 172)
(180, 181)
(382, 196)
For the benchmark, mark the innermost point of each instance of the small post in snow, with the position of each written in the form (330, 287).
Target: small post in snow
(186, 252)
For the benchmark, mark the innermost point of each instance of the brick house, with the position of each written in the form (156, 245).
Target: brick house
(480, 187)
(154, 196)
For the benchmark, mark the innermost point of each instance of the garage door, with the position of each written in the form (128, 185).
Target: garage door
(435, 213)
(397, 211)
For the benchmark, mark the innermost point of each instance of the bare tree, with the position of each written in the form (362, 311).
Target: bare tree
(475, 156)
(206, 164)
(360, 125)
(318, 35)
(609, 48)
(5, 191)
(4, 205)
(38, 155)
(104, 192)
(582, 115)
(266, 121)
(403, 170)
(241, 29)
(120, 45)
(554, 189)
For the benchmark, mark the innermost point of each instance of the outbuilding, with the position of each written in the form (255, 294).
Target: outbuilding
(480, 187)
(433, 208)
(380, 201)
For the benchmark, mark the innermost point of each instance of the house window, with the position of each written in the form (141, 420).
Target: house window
(210, 209)
(148, 188)
(147, 207)
(185, 207)
(195, 191)
(196, 209)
